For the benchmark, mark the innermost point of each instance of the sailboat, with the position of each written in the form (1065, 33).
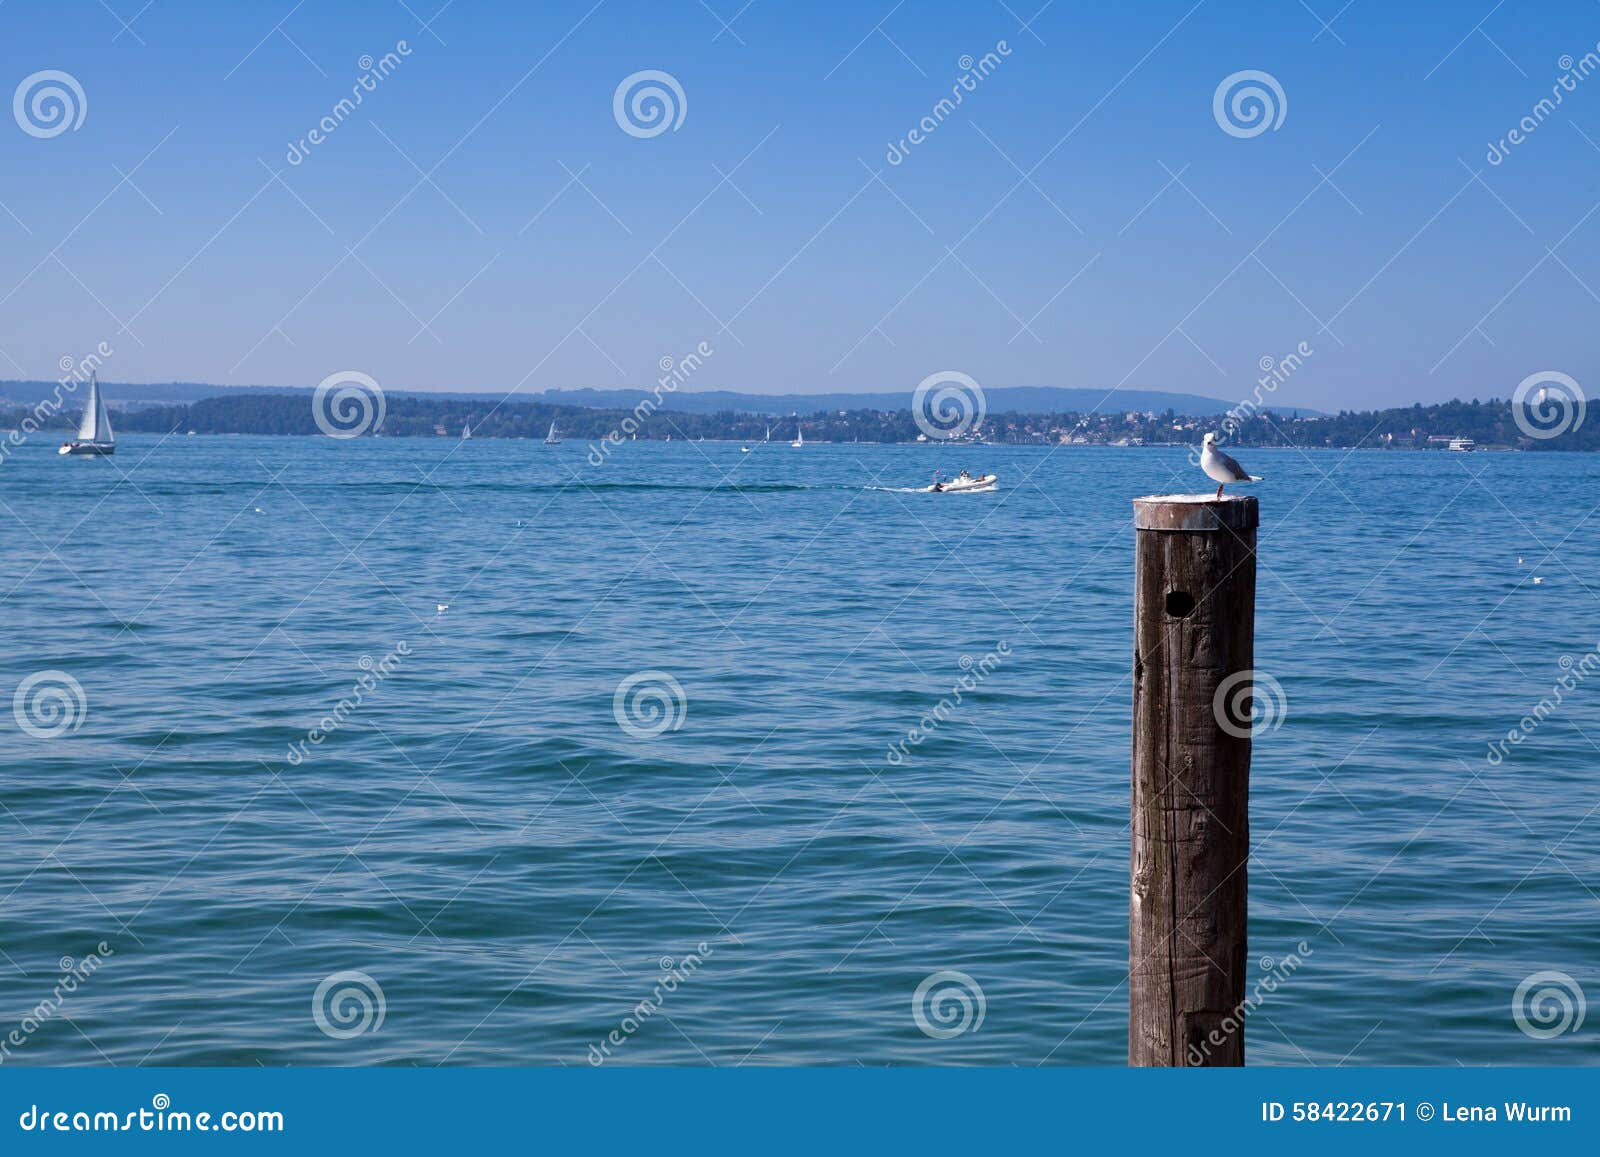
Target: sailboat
(94, 431)
(466, 430)
(799, 437)
(552, 438)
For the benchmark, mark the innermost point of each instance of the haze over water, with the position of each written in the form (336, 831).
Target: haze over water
(517, 872)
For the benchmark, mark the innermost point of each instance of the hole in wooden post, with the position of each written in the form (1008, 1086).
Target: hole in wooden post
(1179, 603)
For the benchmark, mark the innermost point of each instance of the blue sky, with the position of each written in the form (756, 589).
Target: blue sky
(1080, 220)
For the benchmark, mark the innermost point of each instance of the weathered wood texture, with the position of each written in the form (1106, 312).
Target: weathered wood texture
(1194, 626)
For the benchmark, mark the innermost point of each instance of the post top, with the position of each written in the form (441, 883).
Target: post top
(1196, 512)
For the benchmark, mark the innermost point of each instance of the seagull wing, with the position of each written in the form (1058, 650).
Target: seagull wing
(1240, 474)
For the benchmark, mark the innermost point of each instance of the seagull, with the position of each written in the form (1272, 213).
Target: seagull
(1537, 579)
(1221, 467)
(441, 608)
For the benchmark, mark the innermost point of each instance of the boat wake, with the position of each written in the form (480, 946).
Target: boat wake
(991, 488)
(642, 487)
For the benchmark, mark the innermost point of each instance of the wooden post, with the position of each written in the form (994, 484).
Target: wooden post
(1194, 628)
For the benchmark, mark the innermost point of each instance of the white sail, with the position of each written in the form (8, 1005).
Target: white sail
(96, 423)
(91, 404)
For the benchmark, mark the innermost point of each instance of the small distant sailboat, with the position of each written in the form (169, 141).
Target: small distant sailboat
(799, 442)
(552, 438)
(94, 431)
(767, 437)
(466, 431)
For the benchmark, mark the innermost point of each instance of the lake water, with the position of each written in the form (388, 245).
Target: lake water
(513, 871)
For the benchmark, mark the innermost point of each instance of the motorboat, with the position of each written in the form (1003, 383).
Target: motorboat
(963, 483)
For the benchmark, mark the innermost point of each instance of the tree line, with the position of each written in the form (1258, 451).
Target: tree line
(1490, 423)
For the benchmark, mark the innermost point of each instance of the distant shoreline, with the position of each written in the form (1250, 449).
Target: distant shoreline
(1494, 425)
(930, 446)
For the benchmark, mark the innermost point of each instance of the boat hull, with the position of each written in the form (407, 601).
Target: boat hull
(965, 485)
(88, 449)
